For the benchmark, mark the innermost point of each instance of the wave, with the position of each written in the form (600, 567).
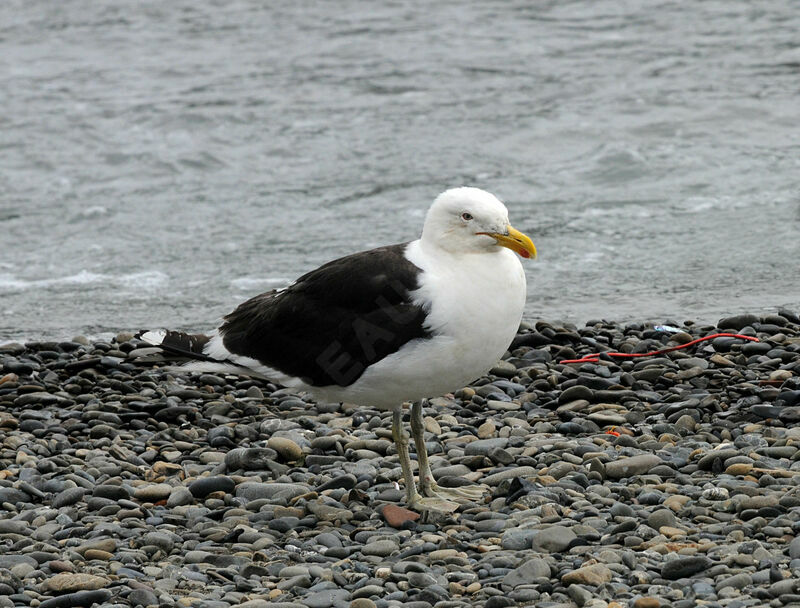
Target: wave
(149, 279)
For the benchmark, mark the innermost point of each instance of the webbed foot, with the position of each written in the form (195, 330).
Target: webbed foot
(433, 503)
(460, 494)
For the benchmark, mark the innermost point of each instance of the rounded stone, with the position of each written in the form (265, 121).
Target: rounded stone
(575, 393)
(594, 575)
(250, 459)
(153, 492)
(67, 582)
(68, 497)
(662, 517)
(421, 579)
(111, 492)
(523, 575)
(286, 448)
(553, 539)
(380, 548)
(396, 516)
(159, 539)
(202, 487)
(794, 548)
(98, 554)
(632, 465)
(143, 597)
(79, 598)
(684, 567)
(179, 496)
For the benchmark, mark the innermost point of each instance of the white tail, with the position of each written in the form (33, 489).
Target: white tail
(154, 337)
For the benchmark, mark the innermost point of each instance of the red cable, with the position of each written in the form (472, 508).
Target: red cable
(596, 357)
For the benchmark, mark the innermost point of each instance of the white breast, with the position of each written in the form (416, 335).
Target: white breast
(476, 299)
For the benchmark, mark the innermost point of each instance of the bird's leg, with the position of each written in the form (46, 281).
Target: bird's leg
(413, 498)
(428, 485)
(426, 481)
(401, 441)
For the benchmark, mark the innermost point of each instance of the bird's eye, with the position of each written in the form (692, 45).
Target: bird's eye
(466, 216)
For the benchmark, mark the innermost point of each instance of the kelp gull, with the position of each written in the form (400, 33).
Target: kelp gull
(386, 326)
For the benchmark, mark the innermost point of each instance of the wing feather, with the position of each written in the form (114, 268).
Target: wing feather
(332, 323)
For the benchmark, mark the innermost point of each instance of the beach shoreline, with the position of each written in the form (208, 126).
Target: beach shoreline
(669, 479)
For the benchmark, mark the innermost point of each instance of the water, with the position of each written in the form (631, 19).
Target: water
(162, 161)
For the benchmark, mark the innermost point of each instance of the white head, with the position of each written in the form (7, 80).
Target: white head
(471, 220)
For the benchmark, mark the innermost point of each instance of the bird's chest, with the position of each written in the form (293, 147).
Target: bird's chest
(477, 303)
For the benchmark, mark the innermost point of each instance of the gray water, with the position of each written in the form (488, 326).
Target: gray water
(162, 161)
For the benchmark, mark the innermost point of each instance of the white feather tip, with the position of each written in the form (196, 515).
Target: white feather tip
(154, 337)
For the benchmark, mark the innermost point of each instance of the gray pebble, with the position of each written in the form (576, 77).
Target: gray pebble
(794, 548)
(275, 492)
(180, 495)
(177, 491)
(553, 539)
(662, 517)
(482, 447)
(532, 569)
(684, 567)
(202, 487)
(634, 465)
(380, 548)
(68, 497)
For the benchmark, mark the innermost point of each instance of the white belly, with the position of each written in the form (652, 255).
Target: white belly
(476, 304)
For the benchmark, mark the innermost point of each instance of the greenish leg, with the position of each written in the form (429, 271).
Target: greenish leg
(428, 485)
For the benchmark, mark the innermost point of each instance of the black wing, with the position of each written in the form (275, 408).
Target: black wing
(333, 322)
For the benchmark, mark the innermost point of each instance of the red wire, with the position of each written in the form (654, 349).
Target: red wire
(596, 357)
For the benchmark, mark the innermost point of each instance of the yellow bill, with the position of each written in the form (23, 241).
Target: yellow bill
(516, 241)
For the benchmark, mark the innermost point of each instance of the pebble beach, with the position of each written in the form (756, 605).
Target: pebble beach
(668, 480)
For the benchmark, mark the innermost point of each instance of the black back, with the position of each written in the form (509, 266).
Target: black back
(333, 322)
